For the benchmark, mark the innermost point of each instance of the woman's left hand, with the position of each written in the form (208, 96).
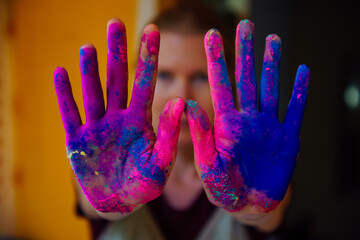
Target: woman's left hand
(249, 158)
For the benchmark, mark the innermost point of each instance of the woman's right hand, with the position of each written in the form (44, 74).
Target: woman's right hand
(116, 157)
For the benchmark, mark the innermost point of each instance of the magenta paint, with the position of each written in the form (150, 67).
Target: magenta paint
(249, 157)
(116, 157)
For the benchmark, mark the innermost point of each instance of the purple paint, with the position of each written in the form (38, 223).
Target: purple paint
(247, 160)
(245, 65)
(249, 157)
(116, 157)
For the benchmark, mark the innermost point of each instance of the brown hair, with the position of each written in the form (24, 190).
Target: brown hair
(197, 18)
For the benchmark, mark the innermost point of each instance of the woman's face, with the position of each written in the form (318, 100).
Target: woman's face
(182, 72)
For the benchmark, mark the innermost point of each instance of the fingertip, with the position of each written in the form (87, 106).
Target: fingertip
(59, 74)
(197, 116)
(59, 67)
(115, 27)
(87, 46)
(213, 44)
(150, 42)
(175, 106)
(273, 38)
(246, 29)
(60, 70)
(304, 68)
(179, 103)
(273, 48)
(303, 75)
(174, 109)
(179, 99)
(87, 49)
(116, 21)
(212, 33)
(151, 28)
(190, 108)
(88, 59)
(151, 31)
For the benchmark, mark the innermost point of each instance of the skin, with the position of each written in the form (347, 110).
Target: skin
(182, 76)
(244, 158)
(116, 157)
(249, 157)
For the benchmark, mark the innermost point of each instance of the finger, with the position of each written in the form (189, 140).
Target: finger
(201, 134)
(218, 76)
(117, 66)
(144, 84)
(69, 112)
(165, 147)
(245, 66)
(269, 85)
(295, 111)
(91, 86)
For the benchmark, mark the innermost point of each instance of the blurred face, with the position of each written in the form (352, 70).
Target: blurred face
(182, 72)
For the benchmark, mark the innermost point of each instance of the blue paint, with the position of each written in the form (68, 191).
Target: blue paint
(224, 77)
(194, 111)
(269, 84)
(85, 62)
(147, 70)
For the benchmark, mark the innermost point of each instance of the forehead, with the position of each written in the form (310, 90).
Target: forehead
(182, 50)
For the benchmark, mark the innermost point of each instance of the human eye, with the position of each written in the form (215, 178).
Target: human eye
(165, 77)
(199, 78)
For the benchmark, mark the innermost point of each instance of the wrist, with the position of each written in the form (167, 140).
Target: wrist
(114, 216)
(268, 221)
(251, 216)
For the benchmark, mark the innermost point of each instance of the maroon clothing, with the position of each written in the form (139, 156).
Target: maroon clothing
(185, 224)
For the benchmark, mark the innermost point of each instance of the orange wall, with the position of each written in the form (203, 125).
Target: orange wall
(47, 34)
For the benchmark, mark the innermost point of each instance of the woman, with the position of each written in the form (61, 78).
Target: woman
(244, 158)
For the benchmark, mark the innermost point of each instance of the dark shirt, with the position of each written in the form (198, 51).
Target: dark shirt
(175, 224)
(181, 224)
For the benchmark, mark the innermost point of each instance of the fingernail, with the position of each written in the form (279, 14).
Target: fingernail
(304, 74)
(115, 22)
(60, 70)
(246, 28)
(273, 48)
(117, 40)
(153, 43)
(194, 112)
(87, 57)
(59, 76)
(304, 68)
(179, 105)
(214, 46)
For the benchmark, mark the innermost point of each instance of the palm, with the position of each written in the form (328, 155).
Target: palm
(116, 157)
(251, 156)
(263, 154)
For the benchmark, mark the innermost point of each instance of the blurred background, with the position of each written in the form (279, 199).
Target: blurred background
(37, 196)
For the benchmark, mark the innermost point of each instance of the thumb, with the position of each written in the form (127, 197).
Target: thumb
(168, 132)
(201, 134)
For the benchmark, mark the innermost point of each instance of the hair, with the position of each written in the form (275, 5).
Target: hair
(197, 18)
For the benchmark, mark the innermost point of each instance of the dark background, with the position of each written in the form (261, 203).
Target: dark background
(325, 36)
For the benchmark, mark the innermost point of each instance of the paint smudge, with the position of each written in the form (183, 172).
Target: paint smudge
(250, 156)
(116, 157)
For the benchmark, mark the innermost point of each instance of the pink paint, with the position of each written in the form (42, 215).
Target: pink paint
(249, 157)
(116, 157)
(261, 202)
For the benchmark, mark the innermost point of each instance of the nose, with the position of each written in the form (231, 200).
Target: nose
(183, 91)
(183, 88)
